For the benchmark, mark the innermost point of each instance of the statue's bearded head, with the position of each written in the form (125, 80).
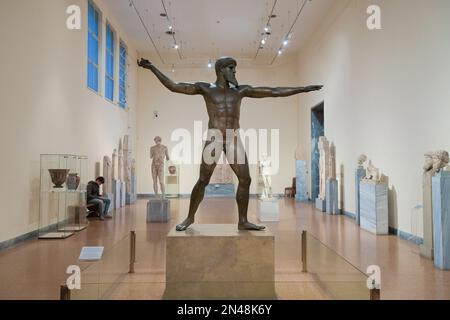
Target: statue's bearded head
(226, 67)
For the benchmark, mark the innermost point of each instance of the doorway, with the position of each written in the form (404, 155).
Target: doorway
(317, 131)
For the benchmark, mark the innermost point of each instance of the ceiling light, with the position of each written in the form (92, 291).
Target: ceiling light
(280, 52)
(263, 41)
(176, 46)
(173, 68)
(285, 42)
(209, 64)
(170, 28)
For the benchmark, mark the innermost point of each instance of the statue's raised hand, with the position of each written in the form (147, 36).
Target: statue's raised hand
(313, 88)
(144, 63)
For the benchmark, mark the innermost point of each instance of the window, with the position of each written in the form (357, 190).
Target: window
(93, 47)
(123, 76)
(109, 67)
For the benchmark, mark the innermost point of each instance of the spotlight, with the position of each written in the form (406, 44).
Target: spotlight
(280, 52)
(173, 68)
(285, 42)
(263, 41)
(176, 46)
(209, 64)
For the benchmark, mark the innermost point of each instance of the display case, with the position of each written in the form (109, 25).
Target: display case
(172, 179)
(62, 196)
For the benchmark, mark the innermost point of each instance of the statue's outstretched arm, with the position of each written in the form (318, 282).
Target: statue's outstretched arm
(266, 92)
(185, 88)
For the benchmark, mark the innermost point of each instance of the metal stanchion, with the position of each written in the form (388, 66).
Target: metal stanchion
(304, 268)
(132, 250)
(375, 294)
(64, 292)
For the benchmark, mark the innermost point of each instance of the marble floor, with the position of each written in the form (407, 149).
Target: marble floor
(35, 269)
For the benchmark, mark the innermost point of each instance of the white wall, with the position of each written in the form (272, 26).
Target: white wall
(386, 92)
(46, 106)
(180, 111)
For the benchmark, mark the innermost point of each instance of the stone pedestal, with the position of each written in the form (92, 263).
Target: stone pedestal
(441, 219)
(116, 191)
(301, 181)
(221, 190)
(268, 210)
(158, 210)
(331, 198)
(360, 173)
(321, 205)
(374, 207)
(426, 248)
(131, 196)
(220, 262)
(111, 197)
(123, 192)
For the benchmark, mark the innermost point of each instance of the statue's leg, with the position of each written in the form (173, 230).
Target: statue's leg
(161, 180)
(239, 163)
(206, 171)
(155, 179)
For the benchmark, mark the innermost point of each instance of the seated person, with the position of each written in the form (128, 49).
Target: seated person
(93, 197)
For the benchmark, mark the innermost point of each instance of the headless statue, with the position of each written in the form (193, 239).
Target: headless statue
(158, 154)
(223, 101)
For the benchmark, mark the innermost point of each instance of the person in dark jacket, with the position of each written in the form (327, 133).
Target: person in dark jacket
(93, 197)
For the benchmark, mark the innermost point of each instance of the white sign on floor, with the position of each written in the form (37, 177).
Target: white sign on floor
(91, 253)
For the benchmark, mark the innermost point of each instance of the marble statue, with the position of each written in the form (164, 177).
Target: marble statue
(324, 168)
(332, 162)
(266, 172)
(223, 100)
(362, 160)
(158, 153)
(120, 164)
(435, 161)
(114, 165)
(107, 175)
(373, 173)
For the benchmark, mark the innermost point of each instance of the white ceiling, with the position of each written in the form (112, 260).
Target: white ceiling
(208, 29)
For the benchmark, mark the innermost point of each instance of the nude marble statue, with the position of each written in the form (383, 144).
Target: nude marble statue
(158, 153)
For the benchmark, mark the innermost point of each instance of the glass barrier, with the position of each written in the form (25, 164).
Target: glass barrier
(134, 269)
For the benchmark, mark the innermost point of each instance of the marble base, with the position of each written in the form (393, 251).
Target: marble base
(441, 219)
(374, 207)
(331, 189)
(123, 189)
(268, 210)
(220, 191)
(158, 210)
(220, 262)
(301, 181)
(360, 173)
(116, 192)
(321, 205)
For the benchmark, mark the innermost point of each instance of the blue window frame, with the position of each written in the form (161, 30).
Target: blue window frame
(93, 47)
(123, 76)
(109, 67)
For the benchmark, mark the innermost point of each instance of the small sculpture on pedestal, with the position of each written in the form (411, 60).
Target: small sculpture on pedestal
(373, 173)
(158, 153)
(331, 192)
(266, 172)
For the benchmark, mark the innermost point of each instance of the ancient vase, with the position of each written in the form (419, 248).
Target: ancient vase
(73, 181)
(58, 176)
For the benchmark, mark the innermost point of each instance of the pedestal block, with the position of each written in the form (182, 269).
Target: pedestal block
(268, 210)
(374, 207)
(220, 262)
(110, 196)
(221, 190)
(116, 191)
(123, 192)
(158, 210)
(360, 173)
(441, 219)
(321, 205)
(301, 181)
(331, 197)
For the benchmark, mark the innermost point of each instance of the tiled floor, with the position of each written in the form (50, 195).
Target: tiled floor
(35, 269)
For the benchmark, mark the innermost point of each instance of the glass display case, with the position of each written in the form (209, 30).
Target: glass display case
(172, 179)
(62, 195)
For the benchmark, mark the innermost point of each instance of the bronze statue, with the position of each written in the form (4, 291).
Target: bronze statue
(223, 101)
